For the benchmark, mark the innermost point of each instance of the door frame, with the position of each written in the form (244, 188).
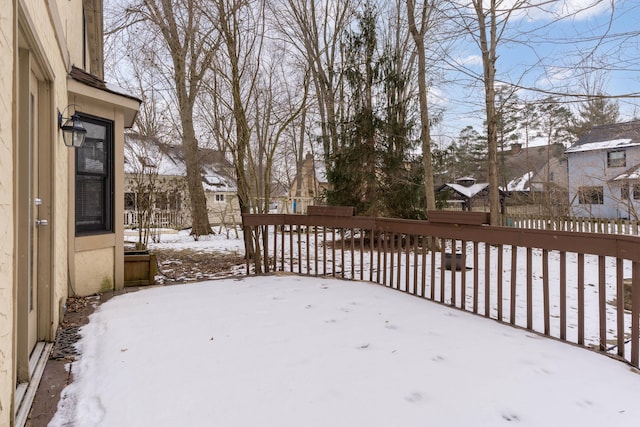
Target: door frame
(24, 209)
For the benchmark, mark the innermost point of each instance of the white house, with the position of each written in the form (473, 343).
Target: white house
(604, 172)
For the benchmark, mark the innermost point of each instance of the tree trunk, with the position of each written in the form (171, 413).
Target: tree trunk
(425, 129)
(488, 48)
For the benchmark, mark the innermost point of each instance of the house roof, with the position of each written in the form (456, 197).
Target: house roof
(466, 192)
(519, 166)
(630, 174)
(606, 137)
(520, 183)
(168, 160)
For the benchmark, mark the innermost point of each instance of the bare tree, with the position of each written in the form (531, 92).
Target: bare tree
(486, 24)
(191, 45)
(315, 29)
(425, 22)
(143, 158)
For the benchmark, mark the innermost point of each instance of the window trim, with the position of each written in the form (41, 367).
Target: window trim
(591, 191)
(108, 186)
(613, 163)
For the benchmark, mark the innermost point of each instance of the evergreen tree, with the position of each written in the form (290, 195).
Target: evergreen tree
(470, 155)
(401, 182)
(352, 167)
(596, 111)
(372, 169)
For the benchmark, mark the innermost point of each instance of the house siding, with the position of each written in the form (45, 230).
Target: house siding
(589, 168)
(50, 35)
(7, 291)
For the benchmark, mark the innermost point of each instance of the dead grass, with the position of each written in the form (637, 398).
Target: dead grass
(180, 266)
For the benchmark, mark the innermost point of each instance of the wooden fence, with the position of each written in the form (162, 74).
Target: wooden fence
(164, 219)
(583, 225)
(573, 286)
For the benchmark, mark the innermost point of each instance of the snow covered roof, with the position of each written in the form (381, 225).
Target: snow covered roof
(467, 191)
(603, 145)
(606, 137)
(149, 154)
(630, 174)
(520, 183)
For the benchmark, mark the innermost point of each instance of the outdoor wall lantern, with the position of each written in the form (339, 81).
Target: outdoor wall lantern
(73, 131)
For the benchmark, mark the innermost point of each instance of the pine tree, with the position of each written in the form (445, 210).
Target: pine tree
(596, 111)
(372, 168)
(470, 154)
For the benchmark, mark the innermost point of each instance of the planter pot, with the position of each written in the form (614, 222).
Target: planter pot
(448, 261)
(140, 268)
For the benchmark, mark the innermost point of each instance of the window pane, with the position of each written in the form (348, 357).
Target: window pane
(591, 195)
(89, 200)
(94, 178)
(616, 159)
(92, 157)
(624, 192)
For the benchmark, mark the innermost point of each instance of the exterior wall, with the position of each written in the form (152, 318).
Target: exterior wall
(104, 106)
(227, 210)
(45, 37)
(589, 168)
(94, 271)
(7, 290)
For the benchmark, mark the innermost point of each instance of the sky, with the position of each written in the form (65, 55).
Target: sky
(554, 57)
(287, 350)
(552, 49)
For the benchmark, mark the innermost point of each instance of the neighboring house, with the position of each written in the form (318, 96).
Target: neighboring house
(604, 172)
(148, 159)
(308, 186)
(532, 169)
(58, 204)
(466, 194)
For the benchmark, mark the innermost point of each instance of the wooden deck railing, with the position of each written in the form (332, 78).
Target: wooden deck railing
(582, 288)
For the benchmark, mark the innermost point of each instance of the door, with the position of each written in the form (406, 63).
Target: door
(34, 220)
(28, 222)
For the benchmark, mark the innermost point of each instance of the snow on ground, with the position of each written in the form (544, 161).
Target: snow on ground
(298, 351)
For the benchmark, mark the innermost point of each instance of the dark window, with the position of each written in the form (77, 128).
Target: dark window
(624, 192)
(94, 178)
(219, 197)
(161, 201)
(590, 195)
(616, 159)
(129, 201)
(636, 191)
(175, 201)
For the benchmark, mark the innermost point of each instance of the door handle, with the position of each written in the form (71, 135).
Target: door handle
(41, 222)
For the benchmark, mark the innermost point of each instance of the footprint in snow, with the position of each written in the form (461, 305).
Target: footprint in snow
(413, 397)
(584, 403)
(510, 417)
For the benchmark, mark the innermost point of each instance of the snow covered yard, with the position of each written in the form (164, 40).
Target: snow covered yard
(289, 350)
(296, 351)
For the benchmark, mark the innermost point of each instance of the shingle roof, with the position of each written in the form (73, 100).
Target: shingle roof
(603, 137)
(168, 160)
